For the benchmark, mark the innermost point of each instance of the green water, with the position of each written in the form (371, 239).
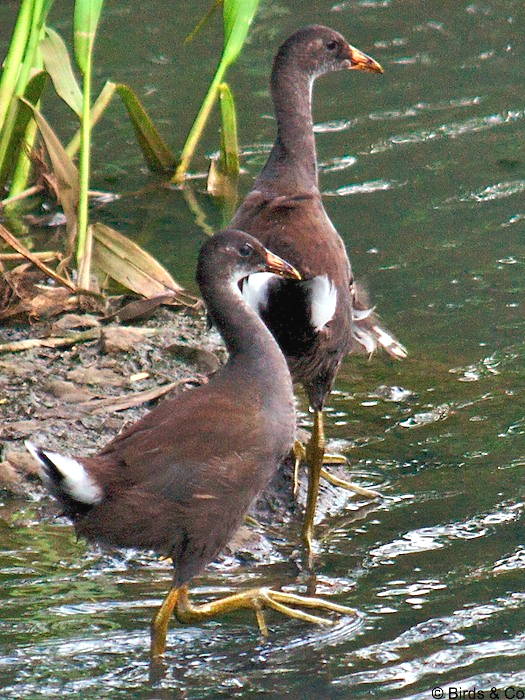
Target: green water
(424, 175)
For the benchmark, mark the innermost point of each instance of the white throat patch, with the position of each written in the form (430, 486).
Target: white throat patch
(256, 288)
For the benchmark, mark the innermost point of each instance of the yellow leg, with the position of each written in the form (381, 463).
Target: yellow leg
(159, 624)
(300, 454)
(314, 456)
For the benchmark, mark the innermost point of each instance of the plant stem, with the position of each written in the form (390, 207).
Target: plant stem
(14, 57)
(84, 164)
(33, 59)
(198, 127)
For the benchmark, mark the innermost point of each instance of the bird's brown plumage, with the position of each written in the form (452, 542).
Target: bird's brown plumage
(181, 479)
(285, 212)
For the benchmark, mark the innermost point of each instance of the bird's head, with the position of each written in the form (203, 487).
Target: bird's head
(316, 50)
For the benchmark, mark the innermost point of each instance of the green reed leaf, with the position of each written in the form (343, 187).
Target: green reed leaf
(58, 65)
(237, 16)
(12, 142)
(229, 155)
(85, 22)
(156, 153)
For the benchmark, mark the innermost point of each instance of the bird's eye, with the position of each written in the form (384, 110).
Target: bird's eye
(331, 45)
(245, 250)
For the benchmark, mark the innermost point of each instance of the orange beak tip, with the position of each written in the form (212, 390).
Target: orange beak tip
(361, 61)
(280, 267)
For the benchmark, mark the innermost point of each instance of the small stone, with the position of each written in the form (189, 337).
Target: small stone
(21, 462)
(67, 391)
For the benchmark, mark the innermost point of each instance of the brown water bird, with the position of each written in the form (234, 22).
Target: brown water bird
(180, 480)
(319, 320)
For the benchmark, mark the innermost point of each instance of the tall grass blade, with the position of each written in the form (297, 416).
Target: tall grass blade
(14, 57)
(85, 22)
(237, 16)
(156, 153)
(12, 144)
(130, 265)
(58, 64)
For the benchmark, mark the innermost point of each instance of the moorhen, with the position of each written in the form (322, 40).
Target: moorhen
(180, 480)
(319, 320)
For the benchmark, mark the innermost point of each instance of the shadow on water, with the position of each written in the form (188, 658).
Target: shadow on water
(423, 172)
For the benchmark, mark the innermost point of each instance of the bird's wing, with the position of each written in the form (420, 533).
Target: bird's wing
(183, 442)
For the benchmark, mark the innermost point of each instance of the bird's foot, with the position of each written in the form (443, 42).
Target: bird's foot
(301, 454)
(257, 599)
(349, 485)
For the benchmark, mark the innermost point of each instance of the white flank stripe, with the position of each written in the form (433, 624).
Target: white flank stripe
(323, 301)
(76, 483)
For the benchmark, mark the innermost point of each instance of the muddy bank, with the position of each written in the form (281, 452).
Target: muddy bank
(75, 399)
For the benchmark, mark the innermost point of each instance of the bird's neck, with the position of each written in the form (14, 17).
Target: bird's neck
(254, 353)
(292, 164)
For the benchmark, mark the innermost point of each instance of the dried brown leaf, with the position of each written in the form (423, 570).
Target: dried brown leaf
(129, 264)
(68, 391)
(96, 376)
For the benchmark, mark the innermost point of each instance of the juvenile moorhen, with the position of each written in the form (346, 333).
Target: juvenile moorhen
(180, 480)
(319, 320)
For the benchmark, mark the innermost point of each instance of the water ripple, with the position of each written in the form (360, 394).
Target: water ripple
(500, 190)
(450, 659)
(363, 188)
(426, 539)
(334, 125)
(337, 163)
(419, 107)
(451, 130)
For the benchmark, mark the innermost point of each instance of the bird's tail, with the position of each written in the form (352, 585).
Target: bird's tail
(66, 478)
(368, 334)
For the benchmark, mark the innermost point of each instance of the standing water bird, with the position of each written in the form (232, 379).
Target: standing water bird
(180, 480)
(319, 320)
